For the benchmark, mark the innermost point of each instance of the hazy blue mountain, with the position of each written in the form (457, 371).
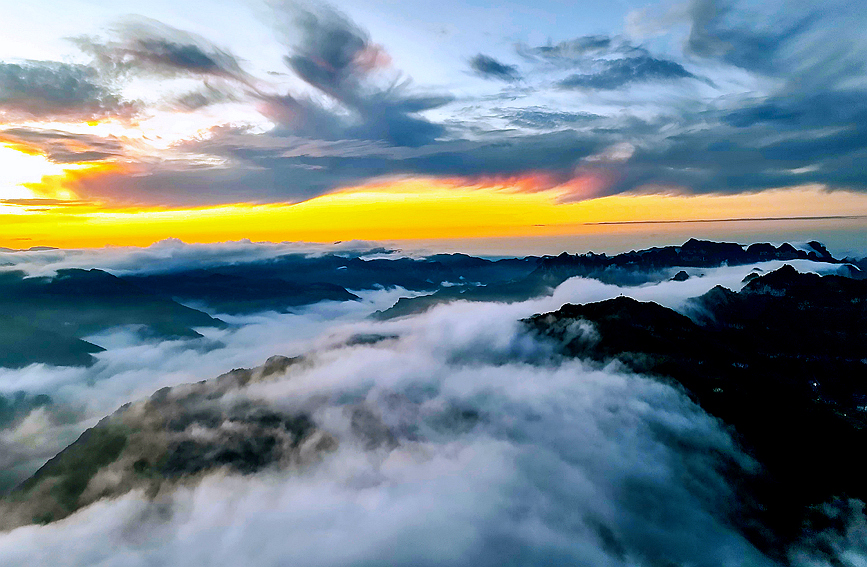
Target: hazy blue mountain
(630, 268)
(22, 344)
(46, 316)
(42, 319)
(234, 293)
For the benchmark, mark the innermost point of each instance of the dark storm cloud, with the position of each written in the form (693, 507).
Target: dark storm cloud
(621, 72)
(63, 147)
(489, 68)
(145, 46)
(48, 89)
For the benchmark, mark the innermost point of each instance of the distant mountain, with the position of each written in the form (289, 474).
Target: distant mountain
(47, 316)
(782, 361)
(16, 407)
(22, 344)
(295, 280)
(233, 294)
(858, 268)
(42, 319)
(630, 268)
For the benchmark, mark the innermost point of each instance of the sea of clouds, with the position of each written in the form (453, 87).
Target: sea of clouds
(173, 255)
(505, 453)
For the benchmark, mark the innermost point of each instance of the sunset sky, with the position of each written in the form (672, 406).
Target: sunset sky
(125, 123)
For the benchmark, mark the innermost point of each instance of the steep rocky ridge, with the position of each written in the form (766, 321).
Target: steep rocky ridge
(174, 437)
(627, 269)
(783, 362)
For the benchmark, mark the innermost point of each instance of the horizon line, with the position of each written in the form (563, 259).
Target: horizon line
(739, 219)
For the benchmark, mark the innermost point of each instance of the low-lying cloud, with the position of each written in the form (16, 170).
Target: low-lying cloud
(171, 255)
(503, 453)
(498, 455)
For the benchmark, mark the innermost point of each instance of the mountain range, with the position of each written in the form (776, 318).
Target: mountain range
(48, 319)
(780, 362)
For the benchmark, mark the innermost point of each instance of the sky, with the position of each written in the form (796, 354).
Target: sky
(127, 123)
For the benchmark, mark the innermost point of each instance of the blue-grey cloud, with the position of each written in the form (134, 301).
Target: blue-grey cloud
(489, 68)
(567, 53)
(806, 131)
(603, 62)
(48, 89)
(811, 49)
(336, 57)
(543, 118)
(715, 32)
(206, 96)
(63, 147)
(145, 46)
(284, 168)
(621, 72)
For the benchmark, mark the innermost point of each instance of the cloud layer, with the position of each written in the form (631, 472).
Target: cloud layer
(504, 453)
(756, 98)
(49, 90)
(499, 456)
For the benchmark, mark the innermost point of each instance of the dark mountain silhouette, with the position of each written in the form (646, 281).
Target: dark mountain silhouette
(630, 268)
(294, 280)
(175, 437)
(42, 319)
(234, 294)
(783, 361)
(22, 344)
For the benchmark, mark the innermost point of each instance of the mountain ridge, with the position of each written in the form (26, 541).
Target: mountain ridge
(628, 268)
(47, 317)
(777, 361)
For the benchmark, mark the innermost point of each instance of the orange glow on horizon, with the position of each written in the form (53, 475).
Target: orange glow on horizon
(43, 208)
(409, 209)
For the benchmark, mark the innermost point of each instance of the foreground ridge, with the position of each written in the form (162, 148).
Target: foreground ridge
(176, 436)
(781, 361)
